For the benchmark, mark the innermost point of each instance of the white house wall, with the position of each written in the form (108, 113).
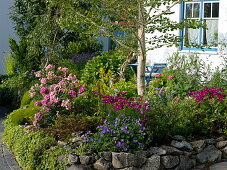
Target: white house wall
(212, 58)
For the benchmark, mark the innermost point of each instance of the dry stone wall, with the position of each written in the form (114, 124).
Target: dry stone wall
(180, 155)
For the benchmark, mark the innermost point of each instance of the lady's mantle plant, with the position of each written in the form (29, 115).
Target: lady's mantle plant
(55, 92)
(123, 133)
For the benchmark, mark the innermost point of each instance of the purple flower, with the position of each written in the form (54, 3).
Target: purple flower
(106, 122)
(81, 90)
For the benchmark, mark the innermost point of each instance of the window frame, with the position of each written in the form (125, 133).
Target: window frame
(201, 16)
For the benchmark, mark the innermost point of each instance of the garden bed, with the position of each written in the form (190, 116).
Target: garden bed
(97, 122)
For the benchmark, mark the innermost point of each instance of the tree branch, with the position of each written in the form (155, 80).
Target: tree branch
(163, 12)
(106, 33)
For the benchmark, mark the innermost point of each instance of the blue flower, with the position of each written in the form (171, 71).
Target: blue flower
(117, 119)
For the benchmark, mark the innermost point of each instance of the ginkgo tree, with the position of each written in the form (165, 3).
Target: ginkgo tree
(134, 17)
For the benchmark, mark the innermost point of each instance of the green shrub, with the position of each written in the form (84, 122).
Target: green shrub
(23, 116)
(123, 85)
(8, 96)
(218, 79)
(75, 68)
(181, 115)
(189, 72)
(4, 77)
(15, 86)
(10, 64)
(108, 61)
(26, 100)
(33, 150)
(25, 59)
(85, 106)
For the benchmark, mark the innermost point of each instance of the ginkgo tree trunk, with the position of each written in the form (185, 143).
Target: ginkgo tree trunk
(139, 17)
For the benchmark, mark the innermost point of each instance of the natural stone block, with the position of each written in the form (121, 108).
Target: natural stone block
(185, 163)
(107, 156)
(79, 167)
(61, 143)
(198, 145)
(224, 152)
(220, 139)
(221, 144)
(209, 154)
(102, 164)
(182, 145)
(152, 163)
(211, 141)
(190, 154)
(85, 160)
(73, 159)
(170, 161)
(123, 160)
(131, 168)
(62, 158)
(179, 138)
(157, 151)
(171, 150)
(143, 154)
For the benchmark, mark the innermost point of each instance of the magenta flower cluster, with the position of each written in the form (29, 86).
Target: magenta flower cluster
(208, 93)
(57, 89)
(120, 103)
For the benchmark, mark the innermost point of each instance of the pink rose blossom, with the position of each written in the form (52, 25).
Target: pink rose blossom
(38, 74)
(64, 69)
(44, 90)
(66, 104)
(71, 77)
(49, 67)
(38, 103)
(51, 75)
(38, 117)
(44, 80)
(72, 93)
(44, 102)
(32, 94)
(36, 85)
(35, 123)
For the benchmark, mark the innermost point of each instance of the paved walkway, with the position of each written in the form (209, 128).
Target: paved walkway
(216, 166)
(7, 160)
(219, 166)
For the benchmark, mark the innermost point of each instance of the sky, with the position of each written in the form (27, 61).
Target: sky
(6, 31)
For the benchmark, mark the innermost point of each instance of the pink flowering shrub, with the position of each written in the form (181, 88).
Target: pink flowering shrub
(55, 92)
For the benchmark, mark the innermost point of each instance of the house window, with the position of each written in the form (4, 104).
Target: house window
(207, 35)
